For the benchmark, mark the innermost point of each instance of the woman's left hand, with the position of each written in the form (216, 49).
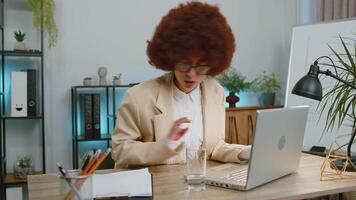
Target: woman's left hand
(177, 131)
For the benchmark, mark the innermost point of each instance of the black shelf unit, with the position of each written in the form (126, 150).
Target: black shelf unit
(21, 53)
(109, 93)
(8, 179)
(29, 117)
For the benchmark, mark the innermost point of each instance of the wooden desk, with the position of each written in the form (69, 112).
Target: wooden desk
(168, 183)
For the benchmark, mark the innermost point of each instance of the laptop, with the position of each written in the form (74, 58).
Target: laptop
(275, 152)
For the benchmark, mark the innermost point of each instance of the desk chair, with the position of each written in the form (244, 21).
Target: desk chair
(108, 163)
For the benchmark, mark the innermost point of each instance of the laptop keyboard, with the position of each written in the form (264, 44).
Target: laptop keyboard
(239, 176)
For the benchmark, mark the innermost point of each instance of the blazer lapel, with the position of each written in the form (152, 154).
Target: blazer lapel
(164, 120)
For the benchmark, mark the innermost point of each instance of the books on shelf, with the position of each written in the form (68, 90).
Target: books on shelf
(24, 97)
(90, 104)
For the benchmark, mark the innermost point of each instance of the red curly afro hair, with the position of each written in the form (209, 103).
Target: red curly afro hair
(193, 28)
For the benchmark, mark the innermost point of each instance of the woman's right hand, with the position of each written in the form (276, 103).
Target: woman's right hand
(177, 131)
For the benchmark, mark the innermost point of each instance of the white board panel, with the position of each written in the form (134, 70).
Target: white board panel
(308, 43)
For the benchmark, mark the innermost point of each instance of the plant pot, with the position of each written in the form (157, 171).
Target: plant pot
(266, 99)
(22, 172)
(22, 168)
(116, 81)
(20, 46)
(232, 99)
(87, 82)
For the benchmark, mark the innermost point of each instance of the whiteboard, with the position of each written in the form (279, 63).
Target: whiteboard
(308, 43)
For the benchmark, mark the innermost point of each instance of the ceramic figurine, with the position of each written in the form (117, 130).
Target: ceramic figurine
(102, 72)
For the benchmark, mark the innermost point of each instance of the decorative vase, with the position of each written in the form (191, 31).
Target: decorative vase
(232, 99)
(20, 46)
(266, 99)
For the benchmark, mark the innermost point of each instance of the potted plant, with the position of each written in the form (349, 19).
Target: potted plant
(20, 37)
(49, 25)
(234, 82)
(87, 81)
(116, 80)
(266, 85)
(341, 99)
(23, 167)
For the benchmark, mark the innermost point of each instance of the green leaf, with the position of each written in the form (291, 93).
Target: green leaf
(339, 101)
(347, 52)
(266, 83)
(49, 24)
(234, 81)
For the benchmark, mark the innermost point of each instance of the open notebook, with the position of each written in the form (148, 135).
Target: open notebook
(132, 183)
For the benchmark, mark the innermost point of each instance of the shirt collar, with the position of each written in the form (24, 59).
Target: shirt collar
(193, 96)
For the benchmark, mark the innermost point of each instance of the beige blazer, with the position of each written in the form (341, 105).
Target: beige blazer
(145, 118)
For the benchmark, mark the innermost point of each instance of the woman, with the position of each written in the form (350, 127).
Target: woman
(159, 118)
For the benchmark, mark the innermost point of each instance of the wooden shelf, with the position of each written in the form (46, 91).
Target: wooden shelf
(11, 180)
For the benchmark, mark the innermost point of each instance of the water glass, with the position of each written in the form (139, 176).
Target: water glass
(76, 187)
(196, 168)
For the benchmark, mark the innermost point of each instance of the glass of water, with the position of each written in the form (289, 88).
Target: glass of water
(196, 168)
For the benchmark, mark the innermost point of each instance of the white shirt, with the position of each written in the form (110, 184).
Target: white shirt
(187, 105)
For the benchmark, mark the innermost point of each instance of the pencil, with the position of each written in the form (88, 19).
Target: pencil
(100, 160)
(91, 163)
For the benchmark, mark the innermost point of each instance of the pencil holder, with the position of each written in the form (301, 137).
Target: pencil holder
(75, 186)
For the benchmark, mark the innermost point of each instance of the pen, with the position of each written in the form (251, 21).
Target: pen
(87, 159)
(71, 185)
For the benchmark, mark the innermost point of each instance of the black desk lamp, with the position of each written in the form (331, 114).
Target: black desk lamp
(309, 86)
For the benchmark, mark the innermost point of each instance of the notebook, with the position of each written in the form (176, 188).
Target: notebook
(131, 183)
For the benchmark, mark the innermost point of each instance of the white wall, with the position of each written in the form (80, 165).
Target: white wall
(113, 33)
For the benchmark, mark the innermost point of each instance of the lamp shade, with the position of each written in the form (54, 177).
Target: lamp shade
(309, 86)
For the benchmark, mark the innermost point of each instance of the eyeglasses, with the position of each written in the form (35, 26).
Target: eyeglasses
(201, 69)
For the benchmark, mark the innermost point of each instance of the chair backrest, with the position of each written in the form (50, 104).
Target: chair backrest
(108, 163)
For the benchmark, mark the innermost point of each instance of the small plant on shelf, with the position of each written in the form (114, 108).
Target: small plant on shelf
(235, 82)
(20, 38)
(266, 85)
(87, 81)
(23, 167)
(116, 80)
